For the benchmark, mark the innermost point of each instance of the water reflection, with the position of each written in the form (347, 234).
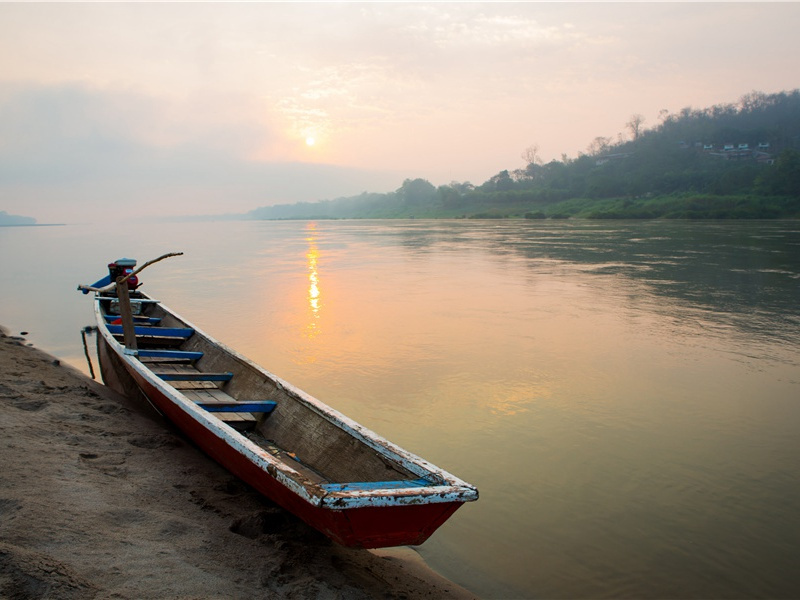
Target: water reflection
(312, 259)
(729, 271)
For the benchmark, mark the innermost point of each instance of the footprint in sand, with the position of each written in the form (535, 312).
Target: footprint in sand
(151, 442)
(111, 464)
(260, 523)
(7, 392)
(29, 405)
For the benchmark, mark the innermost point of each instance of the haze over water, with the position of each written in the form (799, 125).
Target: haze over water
(626, 396)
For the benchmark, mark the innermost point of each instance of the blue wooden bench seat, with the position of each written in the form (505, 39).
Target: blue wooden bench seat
(173, 332)
(250, 406)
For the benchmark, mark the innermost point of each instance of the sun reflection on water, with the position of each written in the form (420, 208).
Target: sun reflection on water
(312, 259)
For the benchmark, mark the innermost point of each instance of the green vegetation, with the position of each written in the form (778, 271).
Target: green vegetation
(731, 161)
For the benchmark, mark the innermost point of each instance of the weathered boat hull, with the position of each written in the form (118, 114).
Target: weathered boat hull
(368, 518)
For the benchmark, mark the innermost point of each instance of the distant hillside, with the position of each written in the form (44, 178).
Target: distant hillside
(7, 219)
(737, 160)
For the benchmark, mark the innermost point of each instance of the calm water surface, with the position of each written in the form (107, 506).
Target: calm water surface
(626, 396)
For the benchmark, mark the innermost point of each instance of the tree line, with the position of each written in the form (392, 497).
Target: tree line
(739, 160)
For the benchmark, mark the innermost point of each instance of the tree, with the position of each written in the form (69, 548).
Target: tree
(531, 155)
(753, 101)
(449, 196)
(635, 125)
(501, 182)
(598, 146)
(462, 187)
(416, 191)
(783, 178)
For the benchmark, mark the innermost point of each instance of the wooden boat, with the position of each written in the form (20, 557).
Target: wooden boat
(336, 475)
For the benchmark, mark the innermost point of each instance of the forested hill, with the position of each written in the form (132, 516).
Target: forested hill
(737, 160)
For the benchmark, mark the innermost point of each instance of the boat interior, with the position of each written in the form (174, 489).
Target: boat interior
(260, 407)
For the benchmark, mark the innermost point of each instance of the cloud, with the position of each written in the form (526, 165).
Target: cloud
(104, 152)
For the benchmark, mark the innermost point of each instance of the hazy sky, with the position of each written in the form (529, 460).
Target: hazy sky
(212, 108)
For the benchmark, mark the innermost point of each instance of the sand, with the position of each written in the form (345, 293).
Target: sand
(101, 498)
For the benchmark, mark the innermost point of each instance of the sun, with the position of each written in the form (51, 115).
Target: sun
(310, 141)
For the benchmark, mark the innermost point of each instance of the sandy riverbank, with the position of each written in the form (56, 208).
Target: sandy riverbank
(100, 498)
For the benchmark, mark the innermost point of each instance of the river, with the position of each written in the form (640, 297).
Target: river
(625, 395)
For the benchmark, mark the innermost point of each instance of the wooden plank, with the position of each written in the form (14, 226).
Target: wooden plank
(170, 366)
(181, 370)
(194, 385)
(194, 376)
(288, 458)
(202, 392)
(217, 395)
(201, 395)
(151, 362)
(210, 395)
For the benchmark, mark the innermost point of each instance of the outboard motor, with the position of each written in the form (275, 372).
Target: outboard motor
(118, 268)
(122, 267)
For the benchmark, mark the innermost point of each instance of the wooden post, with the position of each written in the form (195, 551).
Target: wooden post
(125, 312)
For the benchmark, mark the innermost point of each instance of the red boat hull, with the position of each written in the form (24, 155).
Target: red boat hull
(363, 527)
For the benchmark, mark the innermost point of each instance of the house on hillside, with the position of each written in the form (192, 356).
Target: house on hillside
(764, 158)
